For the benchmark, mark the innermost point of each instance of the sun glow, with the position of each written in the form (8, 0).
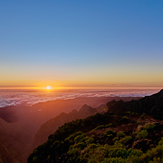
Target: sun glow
(48, 87)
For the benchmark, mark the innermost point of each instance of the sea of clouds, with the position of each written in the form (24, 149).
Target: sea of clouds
(31, 97)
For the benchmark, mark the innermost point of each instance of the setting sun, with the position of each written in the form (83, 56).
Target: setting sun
(48, 87)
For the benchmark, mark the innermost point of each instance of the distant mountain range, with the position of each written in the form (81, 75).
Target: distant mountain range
(52, 125)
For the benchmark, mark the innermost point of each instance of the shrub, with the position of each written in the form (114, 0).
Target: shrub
(125, 118)
(114, 160)
(89, 141)
(109, 125)
(149, 126)
(99, 127)
(138, 122)
(120, 134)
(74, 154)
(161, 141)
(80, 145)
(118, 152)
(108, 135)
(135, 152)
(142, 116)
(126, 139)
(153, 153)
(35, 159)
(109, 132)
(139, 128)
(133, 159)
(142, 134)
(115, 139)
(79, 138)
(128, 112)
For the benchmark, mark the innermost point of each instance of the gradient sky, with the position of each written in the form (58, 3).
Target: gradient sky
(81, 43)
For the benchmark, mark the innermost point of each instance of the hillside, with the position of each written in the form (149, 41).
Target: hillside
(128, 132)
(51, 126)
(20, 123)
(151, 105)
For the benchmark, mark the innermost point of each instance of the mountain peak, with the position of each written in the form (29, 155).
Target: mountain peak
(85, 106)
(87, 110)
(161, 92)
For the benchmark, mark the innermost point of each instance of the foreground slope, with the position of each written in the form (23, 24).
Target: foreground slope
(124, 136)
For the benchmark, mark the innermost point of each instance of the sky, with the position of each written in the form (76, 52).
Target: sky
(81, 43)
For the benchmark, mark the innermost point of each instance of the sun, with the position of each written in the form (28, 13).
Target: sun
(48, 87)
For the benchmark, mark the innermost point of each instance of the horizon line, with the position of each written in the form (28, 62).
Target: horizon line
(84, 87)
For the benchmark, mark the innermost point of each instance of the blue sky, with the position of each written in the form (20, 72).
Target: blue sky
(108, 42)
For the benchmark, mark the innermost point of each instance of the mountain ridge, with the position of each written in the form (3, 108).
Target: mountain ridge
(151, 105)
(125, 126)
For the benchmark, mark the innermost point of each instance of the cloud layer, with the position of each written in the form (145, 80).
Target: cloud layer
(17, 97)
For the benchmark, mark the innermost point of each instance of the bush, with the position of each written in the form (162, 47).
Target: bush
(125, 118)
(138, 122)
(150, 155)
(142, 116)
(99, 127)
(149, 126)
(128, 112)
(109, 132)
(161, 141)
(108, 135)
(80, 145)
(120, 134)
(125, 140)
(134, 152)
(139, 128)
(109, 125)
(115, 139)
(74, 154)
(79, 138)
(89, 141)
(114, 160)
(142, 134)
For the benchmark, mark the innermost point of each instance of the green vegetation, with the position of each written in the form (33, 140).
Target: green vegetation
(128, 112)
(125, 118)
(149, 126)
(99, 127)
(161, 141)
(142, 134)
(80, 142)
(120, 134)
(103, 126)
(126, 139)
(138, 122)
(109, 125)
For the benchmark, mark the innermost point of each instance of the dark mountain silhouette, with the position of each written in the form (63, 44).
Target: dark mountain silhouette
(52, 125)
(119, 135)
(151, 105)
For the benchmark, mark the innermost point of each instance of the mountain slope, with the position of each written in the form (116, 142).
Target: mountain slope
(123, 136)
(152, 105)
(52, 125)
